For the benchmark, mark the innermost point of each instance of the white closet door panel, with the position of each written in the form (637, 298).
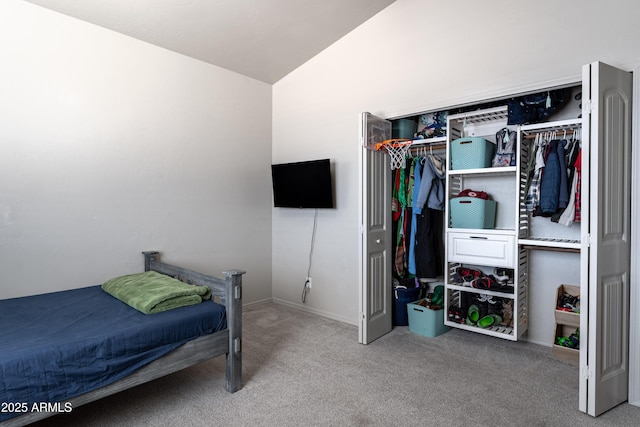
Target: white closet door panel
(605, 294)
(375, 287)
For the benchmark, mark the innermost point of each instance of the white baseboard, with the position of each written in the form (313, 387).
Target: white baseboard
(252, 304)
(312, 310)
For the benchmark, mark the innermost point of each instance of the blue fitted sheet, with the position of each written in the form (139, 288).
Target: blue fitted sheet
(59, 345)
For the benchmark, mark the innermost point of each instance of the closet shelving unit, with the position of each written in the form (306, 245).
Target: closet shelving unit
(486, 249)
(539, 233)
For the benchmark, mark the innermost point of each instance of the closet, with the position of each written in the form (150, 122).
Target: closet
(593, 253)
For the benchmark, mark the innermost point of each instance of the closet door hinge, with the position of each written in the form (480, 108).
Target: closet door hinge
(586, 241)
(586, 373)
(587, 106)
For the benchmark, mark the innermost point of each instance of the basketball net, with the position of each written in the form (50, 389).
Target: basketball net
(397, 150)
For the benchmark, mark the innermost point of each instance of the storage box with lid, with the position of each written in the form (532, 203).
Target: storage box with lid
(425, 321)
(472, 212)
(471, 153)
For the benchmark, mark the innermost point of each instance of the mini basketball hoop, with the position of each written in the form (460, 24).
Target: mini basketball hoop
(397, 150)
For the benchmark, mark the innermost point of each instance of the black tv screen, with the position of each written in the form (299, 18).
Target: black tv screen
(302, 184)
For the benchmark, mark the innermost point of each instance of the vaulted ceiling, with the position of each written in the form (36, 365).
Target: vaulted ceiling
(261, 39)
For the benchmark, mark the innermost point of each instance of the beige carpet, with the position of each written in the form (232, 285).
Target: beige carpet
(305, 370)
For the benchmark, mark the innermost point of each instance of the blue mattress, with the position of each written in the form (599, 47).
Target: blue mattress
(60, 345)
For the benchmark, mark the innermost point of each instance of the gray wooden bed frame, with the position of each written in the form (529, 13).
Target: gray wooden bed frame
(227, 291)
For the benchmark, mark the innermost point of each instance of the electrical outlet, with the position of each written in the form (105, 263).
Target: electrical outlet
(309, 286)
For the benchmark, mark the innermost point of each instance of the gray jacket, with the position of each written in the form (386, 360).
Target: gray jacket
(431, 185)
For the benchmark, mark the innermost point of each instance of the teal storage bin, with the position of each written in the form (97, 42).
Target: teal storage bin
(425, 321)
(403, 128)
(402, 296)
(472, 212)
(471, 153)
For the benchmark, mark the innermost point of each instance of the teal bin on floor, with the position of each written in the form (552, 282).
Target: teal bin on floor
(402, 296)
(425, 321)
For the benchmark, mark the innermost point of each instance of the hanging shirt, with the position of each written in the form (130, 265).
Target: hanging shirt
(578, 200)
(533, 195)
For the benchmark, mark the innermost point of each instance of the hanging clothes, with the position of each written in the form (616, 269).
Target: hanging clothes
(432, 186)
(552, 184)
(578, 201)
(429, 247)
(571, 149)
(533, 194)
(400, 247)
(405, 197)
(568, 215)
(417, 175)
(554, 192)
(417, 240)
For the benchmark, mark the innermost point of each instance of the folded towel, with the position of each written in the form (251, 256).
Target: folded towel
(152, 292)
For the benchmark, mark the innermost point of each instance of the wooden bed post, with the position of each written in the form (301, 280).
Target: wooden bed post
(148, 257)
(234, 324)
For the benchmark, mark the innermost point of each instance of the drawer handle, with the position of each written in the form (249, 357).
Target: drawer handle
(478, 237)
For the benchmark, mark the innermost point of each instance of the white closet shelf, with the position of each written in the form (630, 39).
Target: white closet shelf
(481, 291)
(482, 230)
(545, 242)
(490, 115)
(556, 126)
(429, 141)
(495, 331)
(482, 171)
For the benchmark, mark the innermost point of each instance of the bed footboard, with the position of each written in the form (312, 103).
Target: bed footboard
(229, 292)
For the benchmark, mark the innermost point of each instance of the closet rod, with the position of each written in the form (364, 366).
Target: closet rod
(434, 146)
(557, 131)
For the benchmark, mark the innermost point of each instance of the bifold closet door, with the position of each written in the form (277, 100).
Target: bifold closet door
(375, 309)
(606, 217)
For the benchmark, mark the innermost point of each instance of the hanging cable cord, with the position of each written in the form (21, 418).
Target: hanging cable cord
(313, 242)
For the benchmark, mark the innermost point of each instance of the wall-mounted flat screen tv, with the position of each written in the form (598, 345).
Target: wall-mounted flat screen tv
(302, 184)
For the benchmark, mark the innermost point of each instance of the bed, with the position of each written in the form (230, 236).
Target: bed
(89, 345)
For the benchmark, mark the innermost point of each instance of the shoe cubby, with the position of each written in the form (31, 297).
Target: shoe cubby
(496, 281)
(566, 345)
(481, 312)
(493, 290)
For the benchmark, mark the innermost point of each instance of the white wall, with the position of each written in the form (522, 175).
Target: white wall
(416, 56)
(110, 146)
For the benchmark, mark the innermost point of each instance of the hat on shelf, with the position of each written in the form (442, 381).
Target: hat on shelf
(472, 193)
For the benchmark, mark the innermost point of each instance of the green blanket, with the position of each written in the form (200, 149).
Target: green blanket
(152, 292)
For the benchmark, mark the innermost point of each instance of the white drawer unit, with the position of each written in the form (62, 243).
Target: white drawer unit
(479, 248)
